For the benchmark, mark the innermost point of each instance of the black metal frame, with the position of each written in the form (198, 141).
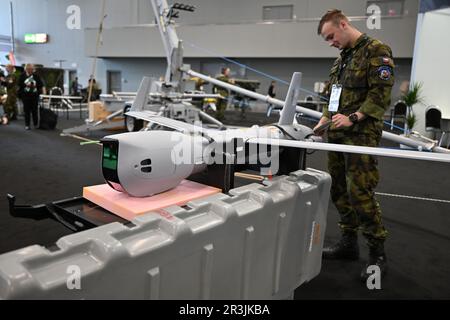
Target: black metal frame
(222, 175)
(75, 213)
(79, 214)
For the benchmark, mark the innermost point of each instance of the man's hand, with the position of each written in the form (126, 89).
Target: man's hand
(341, 120)
(316, 130)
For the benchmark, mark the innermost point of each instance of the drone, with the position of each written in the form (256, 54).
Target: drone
(146, 163)
(149, 162)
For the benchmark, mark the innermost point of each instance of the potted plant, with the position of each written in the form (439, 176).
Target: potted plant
(411, 97)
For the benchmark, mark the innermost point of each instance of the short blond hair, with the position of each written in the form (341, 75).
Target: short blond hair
(333, 15)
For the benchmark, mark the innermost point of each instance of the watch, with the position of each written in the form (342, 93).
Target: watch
(353, 117)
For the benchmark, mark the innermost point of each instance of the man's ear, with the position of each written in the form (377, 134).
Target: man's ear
(343, 24)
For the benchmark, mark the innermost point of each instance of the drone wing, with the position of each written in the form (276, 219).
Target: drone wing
(163, 121)
(140, 101)
(385, 152)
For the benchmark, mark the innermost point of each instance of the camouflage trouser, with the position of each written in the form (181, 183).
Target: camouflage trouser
(354, 178)
(221, 106)
(10, 109)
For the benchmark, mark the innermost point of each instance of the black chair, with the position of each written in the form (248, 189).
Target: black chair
(433, 120)
(309, 104)
(55, 104)
(398, 112)
(445, 129)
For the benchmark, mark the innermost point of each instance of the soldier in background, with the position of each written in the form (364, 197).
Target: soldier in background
(361, 81)
(3, 117)
(222, 103)
(10, 82)
(2, 88)
(271, 93)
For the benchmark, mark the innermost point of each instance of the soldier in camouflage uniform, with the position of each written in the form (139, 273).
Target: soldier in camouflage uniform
(10, 82)
(222, 103)
(362, 78)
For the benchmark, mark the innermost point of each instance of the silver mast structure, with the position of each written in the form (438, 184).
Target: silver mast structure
(175, 70)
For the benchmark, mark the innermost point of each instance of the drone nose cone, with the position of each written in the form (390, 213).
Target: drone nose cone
(154, 161)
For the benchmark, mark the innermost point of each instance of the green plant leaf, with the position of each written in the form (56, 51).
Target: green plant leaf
(414, 94)
(411, 120)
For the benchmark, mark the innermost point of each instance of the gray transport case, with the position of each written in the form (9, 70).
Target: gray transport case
(258, 242)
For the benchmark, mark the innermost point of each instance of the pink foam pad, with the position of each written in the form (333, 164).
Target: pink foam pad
(128, 207)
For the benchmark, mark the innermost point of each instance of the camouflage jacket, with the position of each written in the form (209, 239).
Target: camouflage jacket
(11, 88)
(366, 73)
(222, 91)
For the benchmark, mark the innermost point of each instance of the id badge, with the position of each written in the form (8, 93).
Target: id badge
(336, 90)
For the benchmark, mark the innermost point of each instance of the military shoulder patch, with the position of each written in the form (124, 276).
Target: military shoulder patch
(384, 72)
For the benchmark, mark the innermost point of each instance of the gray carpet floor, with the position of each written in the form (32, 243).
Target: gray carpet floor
(41, 166)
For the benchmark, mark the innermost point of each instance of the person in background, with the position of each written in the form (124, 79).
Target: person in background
(95, 94)
(30, 88)
(2, 95)
(75, 87)
(222, 104)
(3, 117)
(271, 93)
(10, 83)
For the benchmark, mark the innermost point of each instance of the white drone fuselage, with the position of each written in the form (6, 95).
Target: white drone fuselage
(150, 162)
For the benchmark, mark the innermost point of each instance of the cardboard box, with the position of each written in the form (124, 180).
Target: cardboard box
(97, 111)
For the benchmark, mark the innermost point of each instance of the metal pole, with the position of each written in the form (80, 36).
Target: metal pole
(207, 117)
(258, 96)
(419, 145)
(13, 43)
(94, 66)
